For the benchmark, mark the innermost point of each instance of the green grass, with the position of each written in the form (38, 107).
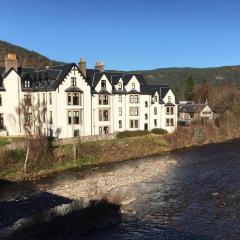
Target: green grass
(127, 134)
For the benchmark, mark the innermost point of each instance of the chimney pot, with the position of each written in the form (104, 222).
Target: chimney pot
(11, 61)
(99, 66)
(82, 67)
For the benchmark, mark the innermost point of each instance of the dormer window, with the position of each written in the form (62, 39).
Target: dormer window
(103, 84)
(73, 81)
(119, 86)
(27, 84)
(133, 86)
(155, 99)
(169, 98)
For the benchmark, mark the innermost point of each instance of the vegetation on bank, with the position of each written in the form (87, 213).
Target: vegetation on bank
(58, 158)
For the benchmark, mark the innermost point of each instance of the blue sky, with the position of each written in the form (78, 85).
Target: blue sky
(127, 34)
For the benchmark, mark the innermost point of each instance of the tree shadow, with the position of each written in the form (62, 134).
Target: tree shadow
(28, 213)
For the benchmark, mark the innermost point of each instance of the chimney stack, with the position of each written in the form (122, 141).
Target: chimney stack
(11, 61)
(99, 66)
(82, 67)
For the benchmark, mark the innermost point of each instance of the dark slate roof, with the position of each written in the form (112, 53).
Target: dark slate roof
(169, 104)
(73, 89)
(50, 79)
(191, 107)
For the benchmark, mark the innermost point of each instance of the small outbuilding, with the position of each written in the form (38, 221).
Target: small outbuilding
(189, 111)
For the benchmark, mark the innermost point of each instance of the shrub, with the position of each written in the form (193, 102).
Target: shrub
(159, 131)
(131, 134)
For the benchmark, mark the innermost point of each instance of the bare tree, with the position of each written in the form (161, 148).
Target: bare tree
(31, 114)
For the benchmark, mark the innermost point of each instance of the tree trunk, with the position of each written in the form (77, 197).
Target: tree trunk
(26, 158)
(75, 152)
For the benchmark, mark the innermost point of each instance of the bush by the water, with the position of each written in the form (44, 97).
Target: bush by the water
(158, 131)
(131, 134)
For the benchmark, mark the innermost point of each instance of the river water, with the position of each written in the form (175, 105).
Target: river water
(198, 199)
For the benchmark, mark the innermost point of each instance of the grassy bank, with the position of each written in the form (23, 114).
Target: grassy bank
(107, 151)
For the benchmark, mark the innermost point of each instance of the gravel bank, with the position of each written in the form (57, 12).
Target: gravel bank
(112, 181)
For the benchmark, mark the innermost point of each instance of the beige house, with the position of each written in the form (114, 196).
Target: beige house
(190, 111)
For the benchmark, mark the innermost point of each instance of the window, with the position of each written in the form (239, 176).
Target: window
(28, 118)
(76, 117)
(75, 98)
(134, 98)
(44, 115)
(50, 98)
(131, 98)
(169, 98)
(170, 110)
(119, 86)
(103, 115)
(133, 123)
(0, 100)
(146, 103)
(169, 122)
(133, 86)
(104, 130)
(146, 116)
(44, 100)
(155, 122)
(119, 98)
(69, 117)
(27, 100)
(103, 100)
(134, 111)
(155, 98)
(38, 99)
(120, 124)
(103, 84)
(155, 110)
(69, 99)
(1, 121)
(27, 84)
(50, 117)
(76, 133)
(73, 81)
(120, 111)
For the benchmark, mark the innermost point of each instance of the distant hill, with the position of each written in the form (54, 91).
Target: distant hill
(26, 57)
(172, 76)
(176, 76)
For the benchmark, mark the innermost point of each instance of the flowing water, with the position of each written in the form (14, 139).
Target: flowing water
(199, 198)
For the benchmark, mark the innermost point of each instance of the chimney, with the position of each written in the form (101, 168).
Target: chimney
(99, 66)
(82, 66)
(11, 61)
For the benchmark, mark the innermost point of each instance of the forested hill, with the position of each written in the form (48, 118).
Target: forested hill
(172, 76)
(176, 76)
(26, 57)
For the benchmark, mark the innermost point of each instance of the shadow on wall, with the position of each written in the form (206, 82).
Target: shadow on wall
(27, 213)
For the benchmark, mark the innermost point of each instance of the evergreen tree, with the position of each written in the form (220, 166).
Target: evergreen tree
(188, 88)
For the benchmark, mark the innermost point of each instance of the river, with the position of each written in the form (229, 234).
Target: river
(198, 198)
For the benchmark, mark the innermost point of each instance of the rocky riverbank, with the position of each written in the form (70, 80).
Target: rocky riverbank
(112, 184)
(22, 202)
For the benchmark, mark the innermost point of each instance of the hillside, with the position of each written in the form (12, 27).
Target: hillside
(172, 76)
(26, 57)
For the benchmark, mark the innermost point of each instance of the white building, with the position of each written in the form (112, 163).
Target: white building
(76, 101)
